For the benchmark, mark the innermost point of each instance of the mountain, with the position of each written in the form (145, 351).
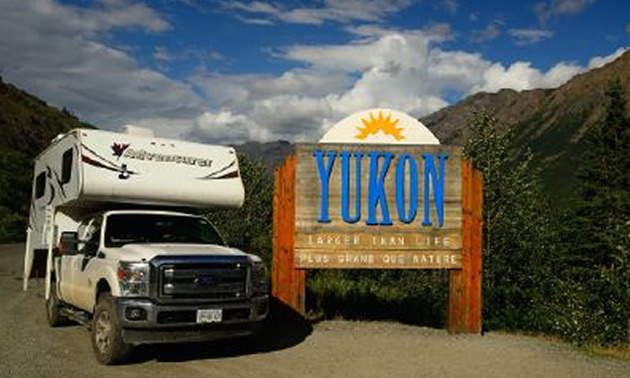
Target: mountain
(269, 154)
(551, 122)
(28, 125)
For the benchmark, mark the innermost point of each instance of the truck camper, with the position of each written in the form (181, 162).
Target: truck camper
(114, 223)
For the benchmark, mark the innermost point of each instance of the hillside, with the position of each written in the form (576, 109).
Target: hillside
(550, 122)
(28, 124)
(270, 154)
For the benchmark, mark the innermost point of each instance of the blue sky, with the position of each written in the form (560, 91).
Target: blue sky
(231, 71)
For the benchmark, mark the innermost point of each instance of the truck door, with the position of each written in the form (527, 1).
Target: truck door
(70, 265)
(66, 277)
(83, 266)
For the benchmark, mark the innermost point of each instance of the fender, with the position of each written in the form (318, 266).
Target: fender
(104, 275)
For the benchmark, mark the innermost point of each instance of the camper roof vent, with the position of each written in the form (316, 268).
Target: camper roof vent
(138, 131)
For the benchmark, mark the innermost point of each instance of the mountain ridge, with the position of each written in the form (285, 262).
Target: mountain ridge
(549, 122)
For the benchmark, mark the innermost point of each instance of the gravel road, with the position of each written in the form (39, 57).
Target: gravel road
(288, 348)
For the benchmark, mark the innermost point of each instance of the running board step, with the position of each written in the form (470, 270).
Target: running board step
(78, 316)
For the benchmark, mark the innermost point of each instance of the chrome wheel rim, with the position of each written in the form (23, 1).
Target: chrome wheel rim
(102, 332)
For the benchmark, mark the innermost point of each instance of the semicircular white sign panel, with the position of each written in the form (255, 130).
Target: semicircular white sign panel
(379, 126)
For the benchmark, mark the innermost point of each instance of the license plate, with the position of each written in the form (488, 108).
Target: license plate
(210, 316)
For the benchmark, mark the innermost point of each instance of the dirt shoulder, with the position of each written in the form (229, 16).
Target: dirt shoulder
(28, 348)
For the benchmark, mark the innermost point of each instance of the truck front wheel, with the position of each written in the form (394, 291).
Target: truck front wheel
(107, 342)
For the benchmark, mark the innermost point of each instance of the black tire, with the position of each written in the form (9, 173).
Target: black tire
(107, 341)
(53, 308)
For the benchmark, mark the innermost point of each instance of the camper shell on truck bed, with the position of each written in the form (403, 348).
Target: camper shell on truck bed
(125, 252)
(84, 171)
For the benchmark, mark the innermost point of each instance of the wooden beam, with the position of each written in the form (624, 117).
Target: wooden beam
(287, 282)
(464, 306)
(476, 253)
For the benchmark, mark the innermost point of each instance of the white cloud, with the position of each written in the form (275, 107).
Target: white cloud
(55, 52)
(521, 75)
(341, 11)
(555, 8)
(598, 61)
(225, 127)
(61, 54)
(104, 15)
(167, 126)
(490, 32)
(448, 5)
(406, 70)
(383, 49)
(291, 116)
(254, 20)
(529, 36)
(161, 54)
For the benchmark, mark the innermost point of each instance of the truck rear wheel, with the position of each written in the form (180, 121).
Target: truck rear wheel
(53, 308)
(107, 342)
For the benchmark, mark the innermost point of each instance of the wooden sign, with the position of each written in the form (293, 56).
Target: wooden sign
(379, 191)
(378, 206)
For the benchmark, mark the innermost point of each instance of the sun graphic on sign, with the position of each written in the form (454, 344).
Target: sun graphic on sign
(384, 124)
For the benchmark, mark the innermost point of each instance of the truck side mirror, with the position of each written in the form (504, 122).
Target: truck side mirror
(68, 243)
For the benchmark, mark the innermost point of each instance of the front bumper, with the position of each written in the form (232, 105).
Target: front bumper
(163, 323)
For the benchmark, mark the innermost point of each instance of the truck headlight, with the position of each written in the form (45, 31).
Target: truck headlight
(259, 277)
(133, 278)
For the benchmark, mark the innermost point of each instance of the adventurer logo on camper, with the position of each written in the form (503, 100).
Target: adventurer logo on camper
(123, 150)
(119, 148)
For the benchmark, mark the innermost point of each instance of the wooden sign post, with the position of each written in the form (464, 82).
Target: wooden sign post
(464, 285)
(379, 206)
(287, 282)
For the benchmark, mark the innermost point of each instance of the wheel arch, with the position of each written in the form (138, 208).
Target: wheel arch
(104, 280)
(103, 286)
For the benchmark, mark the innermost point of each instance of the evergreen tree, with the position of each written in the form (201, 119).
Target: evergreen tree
(250, 227)
(598, 235)
(518, 229)
(603, 210)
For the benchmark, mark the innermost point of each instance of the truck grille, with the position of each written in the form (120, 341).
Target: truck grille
(205, 280)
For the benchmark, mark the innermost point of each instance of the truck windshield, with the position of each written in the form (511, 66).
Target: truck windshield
(124, 229)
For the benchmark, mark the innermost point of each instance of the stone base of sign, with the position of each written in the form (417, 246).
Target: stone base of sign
(464, 303)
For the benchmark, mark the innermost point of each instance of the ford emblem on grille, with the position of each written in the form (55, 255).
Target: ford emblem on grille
(207, 280)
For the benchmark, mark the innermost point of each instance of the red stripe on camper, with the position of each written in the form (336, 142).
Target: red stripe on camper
(90, 161)
(232, 174)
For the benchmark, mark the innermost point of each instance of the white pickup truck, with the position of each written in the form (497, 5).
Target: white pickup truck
(122, 257)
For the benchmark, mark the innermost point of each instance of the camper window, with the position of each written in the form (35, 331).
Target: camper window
(40, 185)
(66, 166)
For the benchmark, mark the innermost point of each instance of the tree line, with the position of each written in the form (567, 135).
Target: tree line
(562, 270)
(556, 270)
